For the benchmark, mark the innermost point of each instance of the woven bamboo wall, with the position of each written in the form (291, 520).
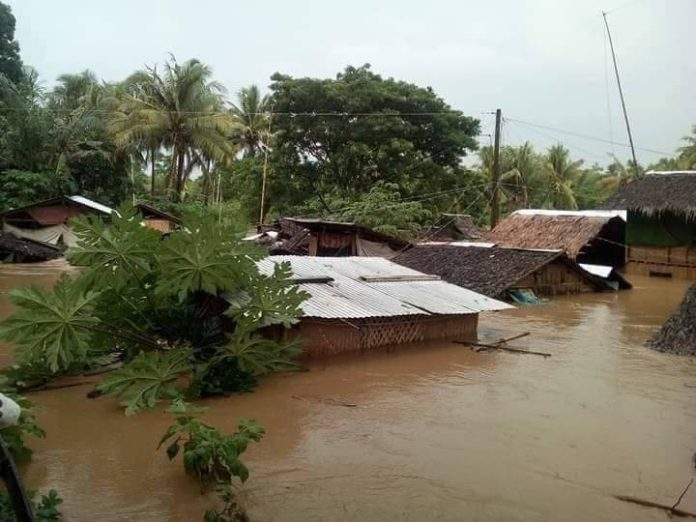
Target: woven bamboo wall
(555, 279)
(643, 268)
(161, 225)
(332, 336)
(679, 256)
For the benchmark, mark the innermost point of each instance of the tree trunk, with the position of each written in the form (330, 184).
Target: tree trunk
(180, 175)
(153, 158)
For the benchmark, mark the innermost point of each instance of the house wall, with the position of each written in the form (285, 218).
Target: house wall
(161, 225)
(555, 279)
(662, 245)
(329, 337)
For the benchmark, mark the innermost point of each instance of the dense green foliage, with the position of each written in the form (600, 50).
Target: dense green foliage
(156, 304)
(45, 508)
(336, 147)
(10, 62)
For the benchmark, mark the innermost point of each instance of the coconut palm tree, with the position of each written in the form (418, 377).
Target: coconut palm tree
(183, 108)
(252, 112)
(687, 153)
(560, 174)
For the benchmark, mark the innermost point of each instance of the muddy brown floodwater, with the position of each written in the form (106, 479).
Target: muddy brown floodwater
(438, 432)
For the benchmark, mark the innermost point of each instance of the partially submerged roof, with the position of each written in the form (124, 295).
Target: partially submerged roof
(43, 214)
(364, 287)
(86, 202)
(315, 225)
(489, 270)
(148, 211)
(569, 231)
(657, 192)
(607, 273)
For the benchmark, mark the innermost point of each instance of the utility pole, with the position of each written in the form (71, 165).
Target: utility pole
(495, 178)
(265, 169)
(623, 102)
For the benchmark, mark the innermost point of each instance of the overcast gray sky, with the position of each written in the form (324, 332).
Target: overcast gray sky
(540, 61)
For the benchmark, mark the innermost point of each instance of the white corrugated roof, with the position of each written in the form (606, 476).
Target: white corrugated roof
(602, 271)
(348, 296)
(586, 213)
(667, 172)
(91, 204)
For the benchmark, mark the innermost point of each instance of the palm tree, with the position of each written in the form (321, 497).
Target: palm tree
(522, 175)
(183, 108)
(561, 173)
(252, 114)
(687, 153)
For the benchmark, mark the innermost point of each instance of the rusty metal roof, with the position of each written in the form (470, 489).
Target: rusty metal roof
(386, 290)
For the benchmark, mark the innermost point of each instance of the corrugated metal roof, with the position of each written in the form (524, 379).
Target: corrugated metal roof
(602, 271)
(347, 296)
(576, 213)
(81, 200)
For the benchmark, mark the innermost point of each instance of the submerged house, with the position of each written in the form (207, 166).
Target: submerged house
(503, 273)
(47, 221)
(319, 237)
(594, 237)
(361, 303)
(158, 219)
(661, 227)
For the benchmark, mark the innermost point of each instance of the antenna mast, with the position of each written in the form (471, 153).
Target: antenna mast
(623, 102)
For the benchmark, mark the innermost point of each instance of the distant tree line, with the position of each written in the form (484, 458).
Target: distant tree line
(359, 146)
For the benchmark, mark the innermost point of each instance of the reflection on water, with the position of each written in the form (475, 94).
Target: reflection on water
(437, 432)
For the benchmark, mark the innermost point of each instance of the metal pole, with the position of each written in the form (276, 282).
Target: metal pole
(495, 178)
(623, 102)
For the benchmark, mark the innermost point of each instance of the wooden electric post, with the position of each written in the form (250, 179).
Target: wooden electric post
(495, 178)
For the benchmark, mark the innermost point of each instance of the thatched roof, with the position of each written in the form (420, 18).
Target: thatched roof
(678, 335)
(567, 232)
(487, 270)
(658, 192)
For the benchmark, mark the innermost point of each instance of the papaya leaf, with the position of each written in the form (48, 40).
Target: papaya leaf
(203, 258)
(149, 377)
(114, 253)
(272, 300)
(258, 355)
(54, 327)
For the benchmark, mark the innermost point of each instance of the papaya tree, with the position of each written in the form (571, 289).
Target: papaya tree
(183, 313)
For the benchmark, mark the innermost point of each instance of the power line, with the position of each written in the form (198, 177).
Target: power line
(569, 145)
(587, 137)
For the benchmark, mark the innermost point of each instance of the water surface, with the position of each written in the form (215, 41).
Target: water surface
(437, 432)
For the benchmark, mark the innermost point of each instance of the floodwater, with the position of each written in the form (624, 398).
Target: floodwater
(430, 432)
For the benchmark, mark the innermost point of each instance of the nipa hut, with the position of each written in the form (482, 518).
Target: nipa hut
(588, 236)
(362, 303)
(678, 335)
(158, 219)
(47, 221)
(503, 273)
(319, 237)
(661, 227)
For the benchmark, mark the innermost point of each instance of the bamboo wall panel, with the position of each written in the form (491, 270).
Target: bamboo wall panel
(333, 337)
(643, 268)
(555, 279)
